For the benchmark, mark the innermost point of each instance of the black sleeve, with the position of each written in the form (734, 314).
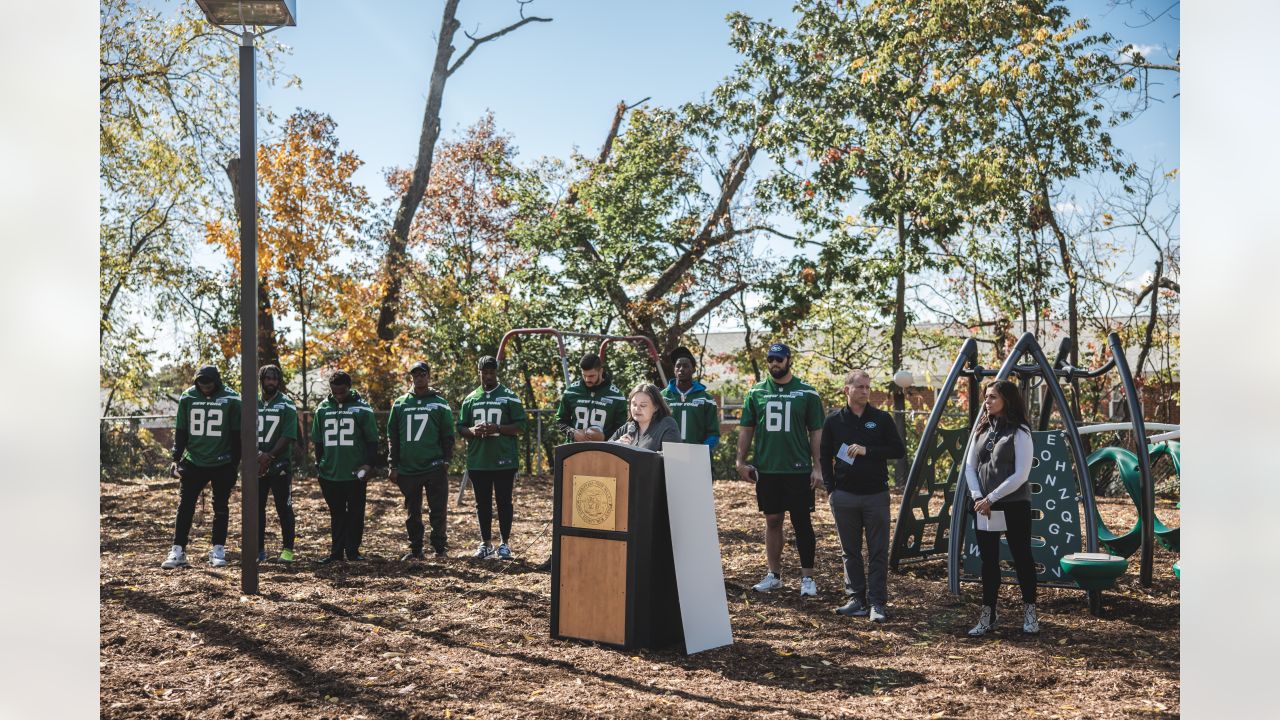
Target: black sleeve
(319, 452)
(371, 453)
(180, 437)
(235, 451)
(446, 445)
(393, 455)
(826, 456)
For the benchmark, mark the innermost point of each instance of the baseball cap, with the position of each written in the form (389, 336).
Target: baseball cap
(207, 373)
(420, 365)
(680, 352)
(779, 350)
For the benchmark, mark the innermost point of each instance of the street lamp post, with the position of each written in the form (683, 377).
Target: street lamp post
(248, 15)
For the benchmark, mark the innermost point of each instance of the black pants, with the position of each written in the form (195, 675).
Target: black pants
(280, 487)
(194, 478)
(486, 484)
(345, 499)
(1017, 516)
(435, 483)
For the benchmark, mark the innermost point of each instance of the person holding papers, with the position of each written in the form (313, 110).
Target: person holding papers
(996, 470)
(856, 441)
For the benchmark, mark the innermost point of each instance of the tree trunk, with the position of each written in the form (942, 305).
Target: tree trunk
(397, 249)
(268, 348)
(1073, 288)
(896, 341)
(1151, 321)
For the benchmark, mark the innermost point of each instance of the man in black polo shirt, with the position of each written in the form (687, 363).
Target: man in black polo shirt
(856, 441)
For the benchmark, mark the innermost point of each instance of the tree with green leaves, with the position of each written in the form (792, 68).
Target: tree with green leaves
(166, 125)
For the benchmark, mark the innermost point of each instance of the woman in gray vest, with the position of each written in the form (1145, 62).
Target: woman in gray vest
(996, 470)
(651, 423)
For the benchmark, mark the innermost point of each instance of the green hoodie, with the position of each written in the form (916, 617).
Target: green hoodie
(343, 433)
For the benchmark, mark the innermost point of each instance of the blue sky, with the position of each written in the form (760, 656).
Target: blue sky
(553, 86)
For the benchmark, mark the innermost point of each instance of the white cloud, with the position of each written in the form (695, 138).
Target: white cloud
(1146, 51)
(1067, 207)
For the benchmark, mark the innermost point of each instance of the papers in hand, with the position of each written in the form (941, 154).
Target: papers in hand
(845, 454)
(993, 523)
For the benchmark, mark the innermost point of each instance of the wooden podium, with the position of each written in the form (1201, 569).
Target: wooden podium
(612, 572)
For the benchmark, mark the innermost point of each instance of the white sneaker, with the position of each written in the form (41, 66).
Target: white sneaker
(986, 621)
(177, 558)
(878, 614)
(218, 556)
(808, 587)
(770, 582)
(1030, 624)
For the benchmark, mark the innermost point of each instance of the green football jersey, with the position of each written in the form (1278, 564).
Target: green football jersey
(783, 416)
(416, 428)
(343, 432)
(499, 406)
(695, 412)
(581, 407)
(277, 418)
(212, 425)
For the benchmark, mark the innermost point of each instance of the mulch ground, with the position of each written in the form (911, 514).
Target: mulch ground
(459, 638)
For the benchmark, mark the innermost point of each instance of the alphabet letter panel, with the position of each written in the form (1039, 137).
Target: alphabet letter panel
(1055, 515)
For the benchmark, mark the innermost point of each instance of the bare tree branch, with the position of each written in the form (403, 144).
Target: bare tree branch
(478, 41)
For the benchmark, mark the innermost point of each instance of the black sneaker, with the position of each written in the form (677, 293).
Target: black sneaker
(330, 559)
(413, 555)
(442, 552)
(544, 567)
(357, 558)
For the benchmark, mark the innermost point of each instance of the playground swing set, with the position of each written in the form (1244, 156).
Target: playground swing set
(1067, 555)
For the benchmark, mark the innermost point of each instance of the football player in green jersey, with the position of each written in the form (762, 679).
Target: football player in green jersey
(784, 416)
(420, 432)
(693, 408)
(346, 441)
(592, 408)
(492, 418)
(206, 450)
(277, 430)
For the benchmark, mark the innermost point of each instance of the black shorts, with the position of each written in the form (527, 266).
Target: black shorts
(784, 493)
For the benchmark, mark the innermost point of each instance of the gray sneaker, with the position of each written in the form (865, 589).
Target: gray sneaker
(177, 558)
(986, 622)
(483, 550)
(878, 614)
(854, 608)
(1030, 624)
(218, 556)
(504, 552)
(767, 583)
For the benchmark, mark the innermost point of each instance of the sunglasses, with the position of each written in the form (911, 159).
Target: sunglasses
(775, 358)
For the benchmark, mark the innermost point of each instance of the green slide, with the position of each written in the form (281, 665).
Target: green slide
(1127, 466)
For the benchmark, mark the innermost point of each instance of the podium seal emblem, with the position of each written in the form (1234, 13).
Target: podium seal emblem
(593, 502)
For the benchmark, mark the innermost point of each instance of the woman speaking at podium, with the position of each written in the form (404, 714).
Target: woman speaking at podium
(651, 423)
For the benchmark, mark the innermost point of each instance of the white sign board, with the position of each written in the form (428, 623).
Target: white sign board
(704, 608)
